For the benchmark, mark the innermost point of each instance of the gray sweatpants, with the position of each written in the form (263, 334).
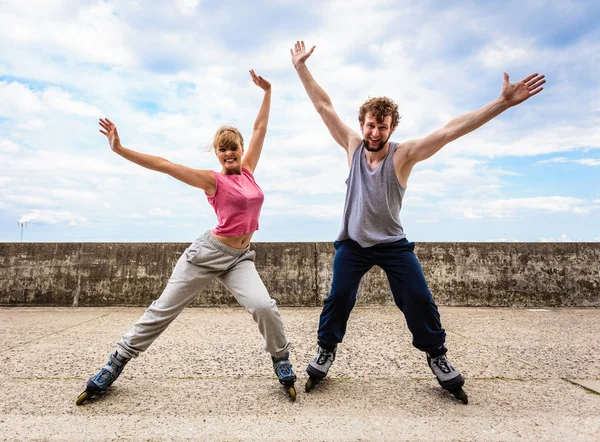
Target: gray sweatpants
(204, 260)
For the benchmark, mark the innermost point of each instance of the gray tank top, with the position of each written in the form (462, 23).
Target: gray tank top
(373, 201)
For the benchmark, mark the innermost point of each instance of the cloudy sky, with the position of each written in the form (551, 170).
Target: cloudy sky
(168, 73)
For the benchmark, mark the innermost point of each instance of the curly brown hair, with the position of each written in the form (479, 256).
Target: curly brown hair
(228, 136)
(380, 107)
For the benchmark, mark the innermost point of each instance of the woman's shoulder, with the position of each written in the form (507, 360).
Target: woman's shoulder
(247, 173)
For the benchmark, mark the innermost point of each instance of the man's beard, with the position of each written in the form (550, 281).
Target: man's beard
(375, 149)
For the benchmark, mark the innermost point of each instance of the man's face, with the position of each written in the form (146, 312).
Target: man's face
(376, 135)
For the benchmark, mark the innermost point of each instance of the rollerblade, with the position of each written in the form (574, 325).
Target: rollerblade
(317, 368)
(283, 370)
(99, 383)
(448, 377)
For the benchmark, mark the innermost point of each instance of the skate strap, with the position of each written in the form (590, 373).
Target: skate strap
(443, 364)
(114, 364)
(325, 354)
(283, 362)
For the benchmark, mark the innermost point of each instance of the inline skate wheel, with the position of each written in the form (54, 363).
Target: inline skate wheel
(292, 392)
(461, 396)
(310, 384)
(82, 398)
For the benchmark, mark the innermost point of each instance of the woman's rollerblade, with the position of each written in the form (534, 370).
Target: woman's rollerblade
(449, 378)
(99, 383)
(285, 374)
(317, 368)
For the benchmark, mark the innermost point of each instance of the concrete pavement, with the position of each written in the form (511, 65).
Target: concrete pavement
(207, 378)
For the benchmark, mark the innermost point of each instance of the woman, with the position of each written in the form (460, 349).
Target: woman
(223, 253)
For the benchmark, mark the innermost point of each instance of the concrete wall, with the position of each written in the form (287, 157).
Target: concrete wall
(299, 274)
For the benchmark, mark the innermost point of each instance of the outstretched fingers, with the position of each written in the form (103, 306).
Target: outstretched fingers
(534, 78)
(534, 84)
(300, 47)
(529, 78)
(295, 49)
(532, 92)
(105, 122)
(107, 126)
(260, 81)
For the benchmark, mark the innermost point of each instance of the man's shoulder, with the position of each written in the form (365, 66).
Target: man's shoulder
(356, 143)
(401, 153)
(353, 149)
(405, 145)
(401, 146)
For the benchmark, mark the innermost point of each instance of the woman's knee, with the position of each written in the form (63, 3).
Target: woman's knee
(264, 307)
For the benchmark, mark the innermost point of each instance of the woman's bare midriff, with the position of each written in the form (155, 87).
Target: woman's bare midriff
(236, 242)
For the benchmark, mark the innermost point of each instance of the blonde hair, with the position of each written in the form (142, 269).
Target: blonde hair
(227, 136)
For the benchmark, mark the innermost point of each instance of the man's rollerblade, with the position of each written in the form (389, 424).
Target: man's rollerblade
(449, 378)
(285, 374)
(99, 383)
(317, 368)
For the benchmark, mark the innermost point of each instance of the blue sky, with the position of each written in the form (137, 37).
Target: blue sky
(170, 73)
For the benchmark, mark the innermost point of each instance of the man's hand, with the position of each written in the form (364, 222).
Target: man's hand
(299, 54)
(515, 93)
(110, 130)
(260, 81)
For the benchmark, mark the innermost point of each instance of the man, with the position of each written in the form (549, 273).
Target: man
(371, 230)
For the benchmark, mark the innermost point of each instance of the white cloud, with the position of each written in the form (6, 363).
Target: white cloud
(171, 74)
(452, 174)
(582, 161)
(428, 220)
(8, 146)
(511, 207)
(157, 212)
(501, 54)
(52, 217)
(278, 205)
(30, 125)
(187, 7)
(469, 213)
(92, 33)
(17, 98)
(561, 238)
(60, 100)
(537, 142)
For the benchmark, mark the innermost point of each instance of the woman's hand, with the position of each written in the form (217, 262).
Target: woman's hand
(110, 130)
(260, 81)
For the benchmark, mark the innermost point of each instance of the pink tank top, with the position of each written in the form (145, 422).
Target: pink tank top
(237, 202)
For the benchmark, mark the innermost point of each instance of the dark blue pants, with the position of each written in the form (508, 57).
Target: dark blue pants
(407, 282)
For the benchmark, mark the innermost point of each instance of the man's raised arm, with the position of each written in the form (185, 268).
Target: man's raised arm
(512, 94)
(341, 133)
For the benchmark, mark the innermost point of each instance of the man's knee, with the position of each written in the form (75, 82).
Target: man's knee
(418, 297)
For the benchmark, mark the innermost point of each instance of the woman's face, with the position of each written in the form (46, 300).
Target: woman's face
(230, 158)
